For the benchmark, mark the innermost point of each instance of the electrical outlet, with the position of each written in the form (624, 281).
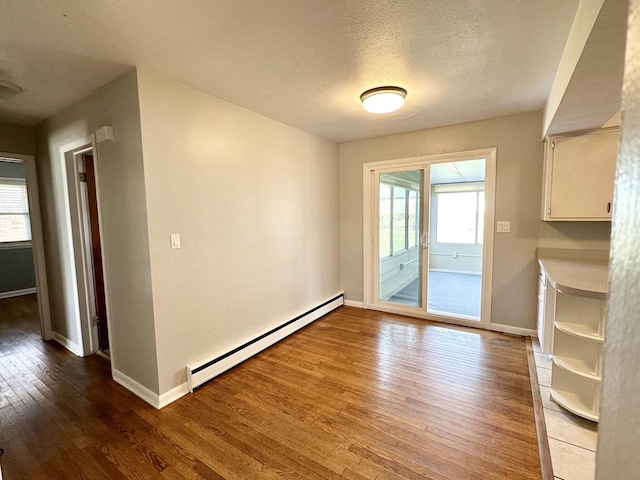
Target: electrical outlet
(503, 227)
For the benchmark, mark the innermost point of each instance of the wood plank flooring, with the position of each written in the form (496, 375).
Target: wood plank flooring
(356, 395)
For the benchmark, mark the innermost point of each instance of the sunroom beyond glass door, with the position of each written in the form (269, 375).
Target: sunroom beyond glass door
(430, 232)
(400, 256)
(456, 226)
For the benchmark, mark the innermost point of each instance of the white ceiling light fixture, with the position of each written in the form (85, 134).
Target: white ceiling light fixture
(383, 99)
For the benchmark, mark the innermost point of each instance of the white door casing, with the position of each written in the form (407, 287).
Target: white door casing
(79, 247)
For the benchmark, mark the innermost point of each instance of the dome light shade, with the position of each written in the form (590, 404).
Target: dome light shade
(383, 99)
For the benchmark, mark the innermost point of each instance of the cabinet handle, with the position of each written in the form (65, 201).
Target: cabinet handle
(609, 207)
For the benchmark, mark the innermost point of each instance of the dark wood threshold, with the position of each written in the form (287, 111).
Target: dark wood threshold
(541, 428)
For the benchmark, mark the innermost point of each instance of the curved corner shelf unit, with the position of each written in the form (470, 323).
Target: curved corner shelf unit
(575, 403)
(578, 330)
(577, 353)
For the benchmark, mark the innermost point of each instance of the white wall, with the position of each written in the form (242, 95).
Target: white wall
(17, 139)
(619, 427)
(518, 195)
(576, 235)
(124, 224)
(256, 204)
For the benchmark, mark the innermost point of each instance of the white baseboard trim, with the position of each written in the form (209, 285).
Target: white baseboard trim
(173, 395)
(136, 388)
(523, 332)
(353, 303)
(153, 399)
(492, 327)
(17, 293)
(68, 344)
(210, 367)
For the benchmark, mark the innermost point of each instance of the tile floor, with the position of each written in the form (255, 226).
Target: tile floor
(572, 439)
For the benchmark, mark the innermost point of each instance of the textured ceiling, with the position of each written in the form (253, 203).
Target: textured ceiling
(303, 62)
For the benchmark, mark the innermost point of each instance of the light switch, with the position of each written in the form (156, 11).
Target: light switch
(175, 240)
(503, 227)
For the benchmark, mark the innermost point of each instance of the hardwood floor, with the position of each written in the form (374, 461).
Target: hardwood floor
(358, 394)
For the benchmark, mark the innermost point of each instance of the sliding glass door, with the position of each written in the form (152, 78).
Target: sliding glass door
(400, 223)
(428, 231)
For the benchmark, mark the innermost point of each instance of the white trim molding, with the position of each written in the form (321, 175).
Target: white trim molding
(73, 347)
(353, 303)
(152, 398)
(521, 332)
(136, 388)
(79, 268)
(172, 395)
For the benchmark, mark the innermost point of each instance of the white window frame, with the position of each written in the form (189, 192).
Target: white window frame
(407, 199)
(13, 244)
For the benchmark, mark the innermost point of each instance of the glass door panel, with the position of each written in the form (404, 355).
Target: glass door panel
(400, 260)
(456, 232)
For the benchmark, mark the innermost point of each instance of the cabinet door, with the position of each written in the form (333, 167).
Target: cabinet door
(581, 175)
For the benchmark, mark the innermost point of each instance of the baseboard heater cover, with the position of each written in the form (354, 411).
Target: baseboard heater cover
(209, 368)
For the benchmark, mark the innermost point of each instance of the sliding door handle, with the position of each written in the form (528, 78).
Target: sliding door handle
(425, 240)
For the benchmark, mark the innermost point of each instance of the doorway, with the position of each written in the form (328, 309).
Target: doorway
(17, 273)
(91, 200)
(85, 249)
(23, 235)
(430, 236)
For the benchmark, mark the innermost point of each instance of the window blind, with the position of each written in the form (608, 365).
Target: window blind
(14, 211)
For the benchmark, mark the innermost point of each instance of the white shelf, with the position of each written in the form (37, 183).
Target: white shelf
(574, 404)
(579, 330)
(578, 339)
(577, 366)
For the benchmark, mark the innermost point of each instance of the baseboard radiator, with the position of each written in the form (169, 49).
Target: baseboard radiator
(208, 368)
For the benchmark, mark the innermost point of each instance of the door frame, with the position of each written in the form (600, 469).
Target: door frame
(37, 240)
(369, 211)
(76, 223)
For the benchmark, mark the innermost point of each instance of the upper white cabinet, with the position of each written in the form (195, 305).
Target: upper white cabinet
(579, 172)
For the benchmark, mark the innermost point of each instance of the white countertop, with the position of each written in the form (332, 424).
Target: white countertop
(579, 272)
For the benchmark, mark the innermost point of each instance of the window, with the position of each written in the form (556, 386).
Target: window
(413, 218)
(385, 220)
(14, 211)
(399, 218)
(399, 226)
(459, 214)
